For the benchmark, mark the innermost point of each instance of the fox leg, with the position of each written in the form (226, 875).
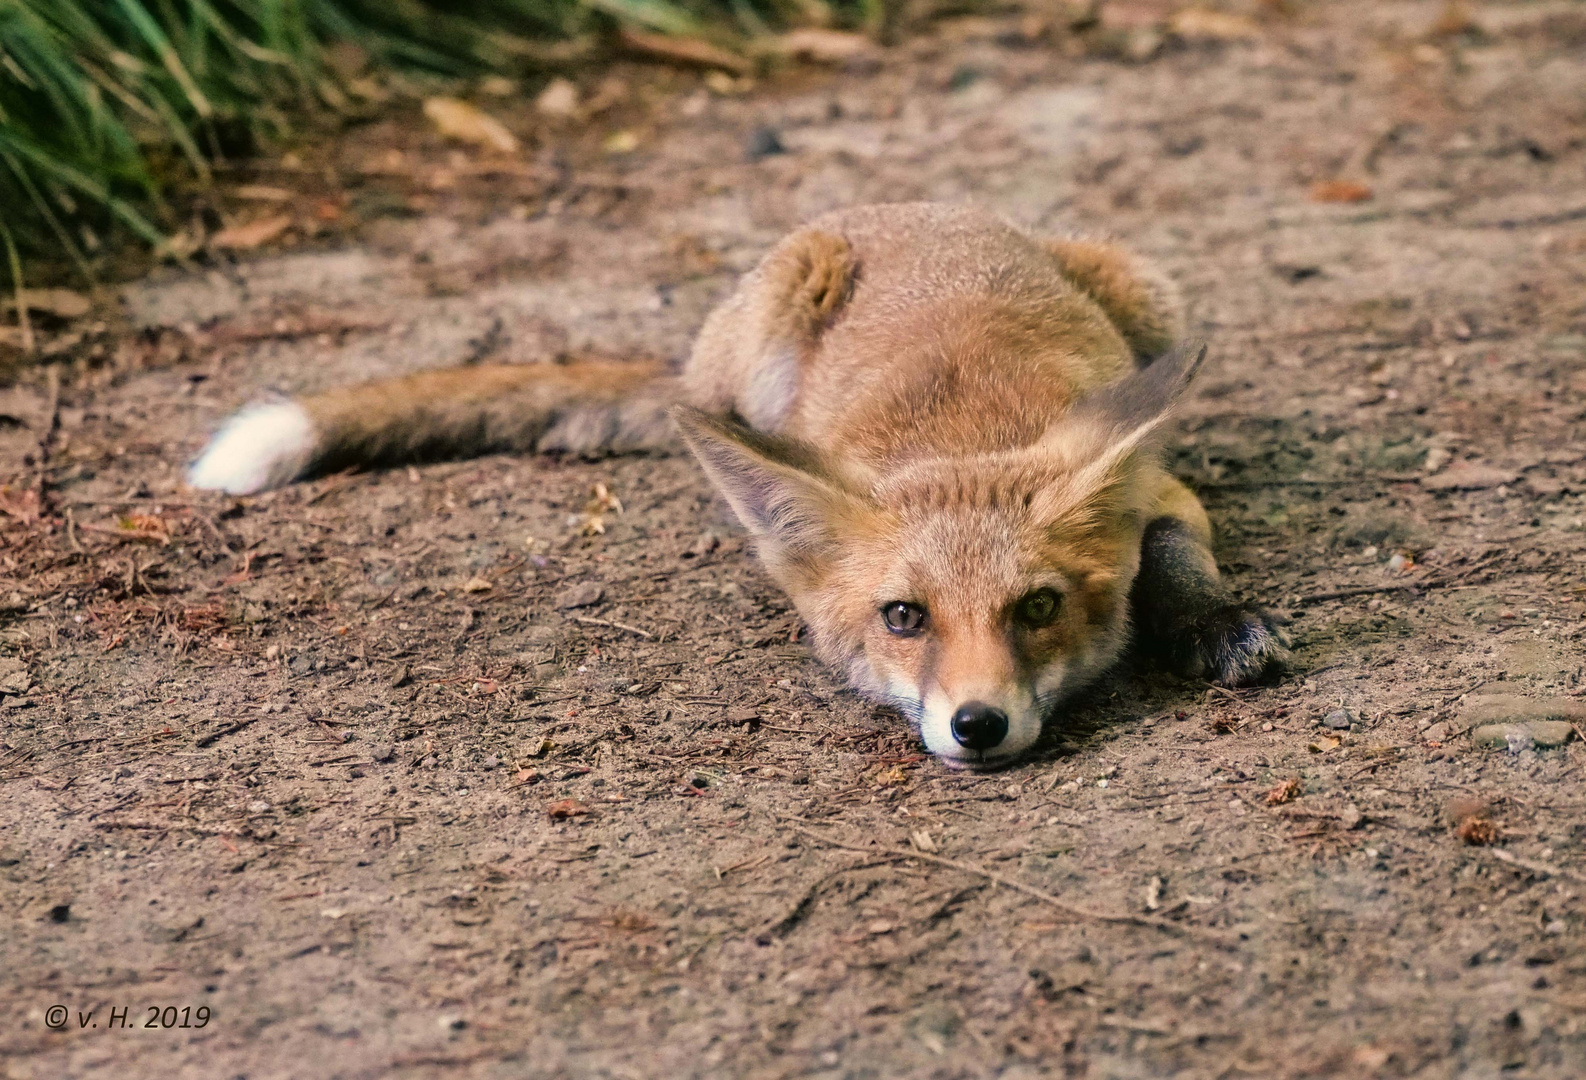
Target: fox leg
(749, 357)
(1185, 613)
(1141, 302)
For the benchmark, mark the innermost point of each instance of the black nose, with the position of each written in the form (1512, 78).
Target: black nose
(979, 726)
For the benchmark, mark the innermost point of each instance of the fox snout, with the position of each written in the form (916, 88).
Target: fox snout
(975, 705)
(979, 726)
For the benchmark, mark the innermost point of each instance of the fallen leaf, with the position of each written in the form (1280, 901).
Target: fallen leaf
(621, 142)
(1454, 21)
(923, 842)
(145, 527)
(457, 119)
(1371, 1057)
(724, 85)
(252, 235)
(602, 500)
(477, 584)
(566, 808)
(61, 303)
(823, 46)
(1339, 191)
(1285, 791)
(684, 50)
(263, 193)
(1324, 744)
(558, 100)
(1203, 24)
(612, 91)
(1477, 831)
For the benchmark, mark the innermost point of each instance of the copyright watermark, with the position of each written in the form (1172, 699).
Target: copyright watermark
(128, 1018)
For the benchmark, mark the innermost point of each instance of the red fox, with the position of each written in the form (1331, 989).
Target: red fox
(940, 432)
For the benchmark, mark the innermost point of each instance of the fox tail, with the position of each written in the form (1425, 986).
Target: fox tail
(591, 408)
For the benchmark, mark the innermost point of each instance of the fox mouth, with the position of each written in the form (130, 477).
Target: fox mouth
(981, 761)
(988, 760)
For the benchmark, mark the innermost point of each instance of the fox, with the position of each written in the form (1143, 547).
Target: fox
(944, 437)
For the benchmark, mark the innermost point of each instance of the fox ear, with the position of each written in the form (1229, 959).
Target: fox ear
(1105, 434)
(776, 487)
(1132, 407)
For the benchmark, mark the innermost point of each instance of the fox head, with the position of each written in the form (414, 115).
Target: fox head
(971, 592)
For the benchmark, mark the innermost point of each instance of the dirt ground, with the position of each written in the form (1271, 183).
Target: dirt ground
(466, 771)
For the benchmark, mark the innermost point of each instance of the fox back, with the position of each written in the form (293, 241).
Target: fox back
(920, 433)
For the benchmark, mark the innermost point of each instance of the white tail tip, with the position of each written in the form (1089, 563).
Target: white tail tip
(262, 447)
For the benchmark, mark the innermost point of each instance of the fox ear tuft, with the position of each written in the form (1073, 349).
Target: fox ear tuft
(775, 486)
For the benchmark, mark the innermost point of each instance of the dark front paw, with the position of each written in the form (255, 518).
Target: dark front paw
(1235, 646)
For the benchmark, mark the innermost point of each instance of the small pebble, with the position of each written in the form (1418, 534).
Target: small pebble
(763, 142)
(583, 595)
(1341, 719)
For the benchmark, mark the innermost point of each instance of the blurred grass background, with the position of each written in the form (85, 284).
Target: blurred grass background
(107, 105)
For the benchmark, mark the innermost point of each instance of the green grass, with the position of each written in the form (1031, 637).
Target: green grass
(106, 105)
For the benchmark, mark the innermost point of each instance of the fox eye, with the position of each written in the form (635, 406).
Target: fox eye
(1038, 608)
(903, 619)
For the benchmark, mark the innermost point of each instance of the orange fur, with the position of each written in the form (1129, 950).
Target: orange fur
(1141, 303)
(963, 431)
(908, 405)
(493, 407)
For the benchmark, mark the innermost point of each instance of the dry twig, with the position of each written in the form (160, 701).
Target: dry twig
(1164, 925)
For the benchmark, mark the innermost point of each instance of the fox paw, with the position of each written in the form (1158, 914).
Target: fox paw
(1237, 646)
